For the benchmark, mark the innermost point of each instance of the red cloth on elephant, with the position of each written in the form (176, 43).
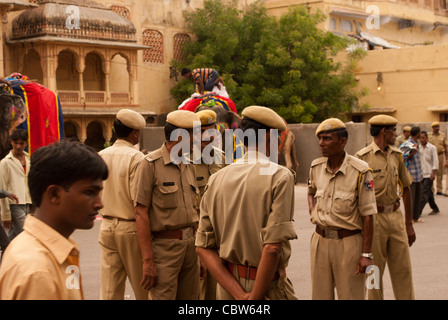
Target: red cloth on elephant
(226, 103)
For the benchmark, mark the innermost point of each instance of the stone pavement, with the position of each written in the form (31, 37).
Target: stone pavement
(429, 255)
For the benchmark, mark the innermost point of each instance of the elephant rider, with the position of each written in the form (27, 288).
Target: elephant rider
(204, 78)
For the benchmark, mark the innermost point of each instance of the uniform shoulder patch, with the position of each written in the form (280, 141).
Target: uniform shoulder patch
(369, 185)
(318, 161)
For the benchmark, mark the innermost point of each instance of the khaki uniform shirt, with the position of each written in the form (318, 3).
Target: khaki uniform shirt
(203, 171)
(40, 264)
(14, 179)
(242, 210)
(342, 198)
(121, 159)
(168, 190)
(439, 141)
(389, 171)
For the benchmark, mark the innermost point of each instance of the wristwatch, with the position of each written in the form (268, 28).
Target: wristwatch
(367, 255)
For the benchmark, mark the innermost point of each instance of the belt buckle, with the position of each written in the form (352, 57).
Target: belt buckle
(187, 233)
(331, 234)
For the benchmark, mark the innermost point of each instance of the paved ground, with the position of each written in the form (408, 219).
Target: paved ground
(429, 255)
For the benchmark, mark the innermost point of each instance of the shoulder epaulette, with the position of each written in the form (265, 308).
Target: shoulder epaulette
(364, 151)
(318, 161)
(358, 164)
(154, 155)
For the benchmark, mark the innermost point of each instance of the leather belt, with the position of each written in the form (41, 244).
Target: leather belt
(388, 209)
(181, 234)
(119, 219)
(336, 234)
(250, 272)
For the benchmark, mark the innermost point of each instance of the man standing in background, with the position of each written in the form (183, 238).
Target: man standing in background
(430, 166)
(438, 139)
(121, 256)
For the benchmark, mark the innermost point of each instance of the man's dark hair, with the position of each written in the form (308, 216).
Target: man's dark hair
(185, 71)
(19, 134)
(250, 124)
(415, 131)
(375, 129)
(424, 133)
(121, 130)
(169, 128)
(63, 163)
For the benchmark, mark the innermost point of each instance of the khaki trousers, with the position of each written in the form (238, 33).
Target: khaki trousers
(334, 264)
(177, 270)
(120, 258)
(281, 289)
(390, 245)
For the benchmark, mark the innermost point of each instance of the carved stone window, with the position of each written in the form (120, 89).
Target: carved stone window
(122, 11)
(178, 41)
(154, 39)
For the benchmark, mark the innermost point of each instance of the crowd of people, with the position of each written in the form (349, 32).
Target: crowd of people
(192, 229)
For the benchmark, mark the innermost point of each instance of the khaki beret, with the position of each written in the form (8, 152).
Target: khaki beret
(435, 123)
(131, 119)
(407, 128)
(383, 120)
(265, 116)
(330, 125)
(182, 118)
(207, 117)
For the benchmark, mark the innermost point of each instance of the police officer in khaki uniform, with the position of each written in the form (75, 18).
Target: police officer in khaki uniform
(393, 235)
(212, 159)
(403, 137)
(438, 139)
(341, 203)
(166, 210)
(246, 217)
(120, 250)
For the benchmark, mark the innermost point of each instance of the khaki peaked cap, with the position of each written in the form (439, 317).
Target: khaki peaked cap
(330, 125)
(383, 120)
(407, 128)
(207, 117)
(265, 116)
(435, 123)
(182, 119)
(131, 119)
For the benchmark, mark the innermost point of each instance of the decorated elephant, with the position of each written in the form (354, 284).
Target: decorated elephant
(13, 112)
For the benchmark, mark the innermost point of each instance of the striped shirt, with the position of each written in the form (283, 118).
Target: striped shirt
(414, 164)
(201, 74)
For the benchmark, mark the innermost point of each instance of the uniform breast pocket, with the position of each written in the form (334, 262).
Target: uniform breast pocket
(168, 196)
(343, 202)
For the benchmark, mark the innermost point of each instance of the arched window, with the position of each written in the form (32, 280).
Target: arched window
(178, 41)
(154, 39)
(332, 24)
(346, 26)
(122, 11)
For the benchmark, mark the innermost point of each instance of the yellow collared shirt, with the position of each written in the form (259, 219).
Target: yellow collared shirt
(40, 264)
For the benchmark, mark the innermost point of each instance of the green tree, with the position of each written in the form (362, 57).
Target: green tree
(283, 63)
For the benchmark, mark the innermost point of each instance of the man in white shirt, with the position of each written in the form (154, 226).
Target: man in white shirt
(430, 165)
(14, 170)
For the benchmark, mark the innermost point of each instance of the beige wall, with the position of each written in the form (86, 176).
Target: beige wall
(414, 79)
